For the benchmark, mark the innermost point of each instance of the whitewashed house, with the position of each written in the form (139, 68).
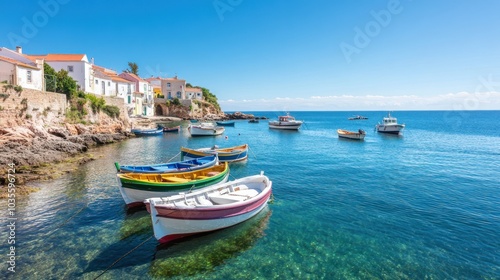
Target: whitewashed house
(78, 66)
(17, 69)
(194, 93)
(103, 83)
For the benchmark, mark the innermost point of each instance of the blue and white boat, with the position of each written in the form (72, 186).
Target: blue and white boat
(180, 166)
(147, 132)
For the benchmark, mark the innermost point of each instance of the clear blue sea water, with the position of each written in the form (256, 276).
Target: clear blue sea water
(424, 205)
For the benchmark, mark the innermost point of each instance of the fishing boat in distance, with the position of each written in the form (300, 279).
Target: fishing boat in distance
(230, 154)
(356, 135)
(208, 209)
(357, 117)
(389, 125)
(205, 129)
(170, 167)
(135, 187)
(147, 132)
(285, 122)
(253, 121)
(225, 123)
(172, 129)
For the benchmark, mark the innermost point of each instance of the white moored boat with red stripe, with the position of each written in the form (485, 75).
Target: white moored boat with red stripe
(208, 209)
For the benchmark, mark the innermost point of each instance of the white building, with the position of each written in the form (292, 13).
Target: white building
(78, 66)
(143, 95)
(18, 69)
(194, 93)
(103, 84)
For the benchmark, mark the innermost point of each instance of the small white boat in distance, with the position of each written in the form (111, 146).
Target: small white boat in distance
(389, 125)
(359, 135)
(285, 122)
(205, 129)
(208, 209)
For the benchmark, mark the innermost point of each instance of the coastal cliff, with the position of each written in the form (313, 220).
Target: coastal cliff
(40, 139)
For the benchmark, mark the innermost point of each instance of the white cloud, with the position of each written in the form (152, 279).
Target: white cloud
(449, 101)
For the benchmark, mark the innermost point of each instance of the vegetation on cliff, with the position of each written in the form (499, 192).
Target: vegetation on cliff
(61, 82)
(208, 96)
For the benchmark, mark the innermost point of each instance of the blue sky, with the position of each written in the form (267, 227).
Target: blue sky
(284, 55)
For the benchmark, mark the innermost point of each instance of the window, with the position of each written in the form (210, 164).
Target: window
(96, 82)
(28, 76)
(70, 68)
(168, 85)
(179, 94)
(109, 83)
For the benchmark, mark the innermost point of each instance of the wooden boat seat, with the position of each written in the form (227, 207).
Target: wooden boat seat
(202, 201)
(225, 198)
(249, 193)
(174, 179)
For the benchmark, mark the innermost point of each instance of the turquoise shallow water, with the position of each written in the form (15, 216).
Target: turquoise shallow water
(424, 205)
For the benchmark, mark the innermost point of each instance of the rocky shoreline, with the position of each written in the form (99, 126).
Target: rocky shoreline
(39, 153)
(42, 152)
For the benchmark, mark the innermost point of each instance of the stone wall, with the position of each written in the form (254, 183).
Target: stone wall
(30, 104)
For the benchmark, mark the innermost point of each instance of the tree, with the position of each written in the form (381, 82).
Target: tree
(50, 78)
(59, 82)
(65, 84)
(133, 68)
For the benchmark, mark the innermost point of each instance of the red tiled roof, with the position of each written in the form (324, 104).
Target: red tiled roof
(58, 57)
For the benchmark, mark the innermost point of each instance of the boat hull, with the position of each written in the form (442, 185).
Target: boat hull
(199, 131)
(173, 221)
(238, 153)
(225, 123)
(172, 129)
(285, 125)
(390, 129)
(181, 166)
(134, 190)
(136, 197)
(168, 229)
(147, 132)
(350, 135)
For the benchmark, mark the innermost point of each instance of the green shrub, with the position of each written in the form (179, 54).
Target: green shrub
(111, 111)
(176, 101)
(96, 103)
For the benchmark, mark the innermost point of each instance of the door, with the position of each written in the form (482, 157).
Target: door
(103, 87)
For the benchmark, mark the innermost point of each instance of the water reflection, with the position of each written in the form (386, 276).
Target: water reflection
(138, 223)
(203, 253)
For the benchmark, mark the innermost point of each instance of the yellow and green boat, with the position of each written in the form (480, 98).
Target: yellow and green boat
(136, 187)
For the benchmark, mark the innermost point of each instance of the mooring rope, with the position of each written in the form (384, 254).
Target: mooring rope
(173, 157)
(119, 259)
(252, 152)
(68, 219)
